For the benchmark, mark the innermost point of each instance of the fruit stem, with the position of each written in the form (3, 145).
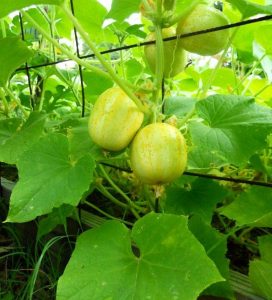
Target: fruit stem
(119, 81)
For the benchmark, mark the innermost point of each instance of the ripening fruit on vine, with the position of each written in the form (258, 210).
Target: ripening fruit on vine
(114, 120)
(158, 153)
(175, 57)
(200, 18)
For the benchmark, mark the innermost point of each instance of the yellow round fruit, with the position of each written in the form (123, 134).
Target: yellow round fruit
(200, 18)
(158, 154)
(114, 120)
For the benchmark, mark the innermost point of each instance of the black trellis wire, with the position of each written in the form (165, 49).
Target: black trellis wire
(27, 68)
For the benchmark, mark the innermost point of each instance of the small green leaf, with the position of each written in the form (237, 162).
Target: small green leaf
(103, 265)
(253, 207)
(265, 246)
(260, 275)
(249, 9)
(121, 9)
(179, 106)
(215, 245)
(15, 138)
(200, 199)
(95, 85)
(7, 7)
(13, 53)
(80, 141)
(84, 12)
(48, 179)
(234, 127)
(56, 217)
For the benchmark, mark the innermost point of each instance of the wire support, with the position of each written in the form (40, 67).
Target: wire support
(209, 176)
(127, 47)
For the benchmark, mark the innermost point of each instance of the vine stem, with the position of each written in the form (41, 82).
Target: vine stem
(159, 67)
(63, 49)
(16, 100)
(219, 63)
(117, 189)
(3, 28)
(5, 102)
(104, 213)
(119, 81)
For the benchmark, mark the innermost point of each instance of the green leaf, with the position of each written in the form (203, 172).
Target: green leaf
(6, 7)
(179, 106)
(249, 9)
(85, 11)
(172, 264)
(215, 245)
(48, 179)
(225, 78)
(200, 199)
(80, 141)
(121, 9)
(95, 85)
(260, 275)
(253, 207)
(15, 137)
(265, 246)
(13, 53)
(56, 217)
(234, 127)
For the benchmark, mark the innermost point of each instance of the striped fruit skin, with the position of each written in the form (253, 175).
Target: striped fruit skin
(158, 154)
(204, 17)
(114, 120)
(175, 57)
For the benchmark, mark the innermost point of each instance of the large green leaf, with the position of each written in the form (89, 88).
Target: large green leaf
(172, 264)
(215, 245)
(233, 127)
(13, 53)
(15, 138)
(200, 199)
(249, 9)
(121, 9)
(7, 6)
(48, 179)
(253, 207)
